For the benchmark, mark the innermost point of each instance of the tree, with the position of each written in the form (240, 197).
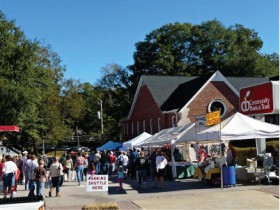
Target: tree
(30, 76)
(185, 49)
(113, 87)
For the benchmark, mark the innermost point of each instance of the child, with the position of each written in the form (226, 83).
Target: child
(91, 168)
(121, 176)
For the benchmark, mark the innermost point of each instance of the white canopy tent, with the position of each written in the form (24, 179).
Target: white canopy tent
(167, 136)
(137, 140)
(238, 127)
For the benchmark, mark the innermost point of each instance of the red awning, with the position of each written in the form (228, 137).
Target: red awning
(9, 128)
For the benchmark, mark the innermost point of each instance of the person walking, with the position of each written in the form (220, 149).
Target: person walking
(79, 167)
(26, 158)
(9, 169)
(40, 176)
(96, 160)
(161, 163)
(68, 164)
(55, 175)
(91, 169)
(31, 168)
(141, 169)
(152, 164)
(121, 175)
(125, 162)
(231, 155)
(112, 162)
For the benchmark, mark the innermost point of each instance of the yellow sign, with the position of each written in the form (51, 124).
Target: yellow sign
(213, 118)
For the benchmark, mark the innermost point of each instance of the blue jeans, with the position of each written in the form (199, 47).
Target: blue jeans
(39, 189)
(141, 176)
(97, 167)
(56, 183)
(26, 180)
(79, 172)
(32, 186)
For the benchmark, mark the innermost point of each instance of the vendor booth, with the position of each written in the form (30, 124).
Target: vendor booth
(110, 145)
(136, 141)
(236, 127)
(175, 169)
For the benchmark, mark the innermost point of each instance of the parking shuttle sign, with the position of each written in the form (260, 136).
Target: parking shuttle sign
(97, 183)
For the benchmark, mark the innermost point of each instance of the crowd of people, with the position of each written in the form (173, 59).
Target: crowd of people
(39, 172)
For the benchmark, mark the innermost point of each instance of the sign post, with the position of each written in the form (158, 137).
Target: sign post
(213, 118)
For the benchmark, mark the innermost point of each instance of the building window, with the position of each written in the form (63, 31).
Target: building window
(158, 122)
(144, 126)
(138, 129)
(173, 119)
(132, 129)
(216, 105)
(126, 128)
(151, 126)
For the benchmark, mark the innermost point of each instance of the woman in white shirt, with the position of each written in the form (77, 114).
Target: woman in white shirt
(9, 169)
(161, 163)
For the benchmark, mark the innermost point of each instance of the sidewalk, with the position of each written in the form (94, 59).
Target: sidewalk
(178, 194)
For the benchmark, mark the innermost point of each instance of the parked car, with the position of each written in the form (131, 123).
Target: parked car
(65, 148)
(79, 149)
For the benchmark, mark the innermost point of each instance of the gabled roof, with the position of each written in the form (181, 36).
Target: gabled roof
(161, 87)
(241, 82)
(184, 93)
(173, 92)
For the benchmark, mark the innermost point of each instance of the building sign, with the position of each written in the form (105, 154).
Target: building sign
(256, 99)
(97, 183)
(213, 118)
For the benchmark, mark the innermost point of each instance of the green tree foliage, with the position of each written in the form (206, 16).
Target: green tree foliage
(185, 49)
(32, 91)
(115, 97)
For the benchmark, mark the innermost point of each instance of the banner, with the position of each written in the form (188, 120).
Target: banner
(213, 118)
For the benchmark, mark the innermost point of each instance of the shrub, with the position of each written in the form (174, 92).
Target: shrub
(251, 152)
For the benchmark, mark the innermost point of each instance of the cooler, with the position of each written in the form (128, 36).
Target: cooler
(229, 177)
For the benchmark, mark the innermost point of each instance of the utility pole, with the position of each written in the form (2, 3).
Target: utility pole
(101, 110)
(77, 132)
(100, 116)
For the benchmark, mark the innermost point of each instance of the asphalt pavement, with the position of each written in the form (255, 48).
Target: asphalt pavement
(177, 194)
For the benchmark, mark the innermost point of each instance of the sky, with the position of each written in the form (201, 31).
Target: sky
(91, 34)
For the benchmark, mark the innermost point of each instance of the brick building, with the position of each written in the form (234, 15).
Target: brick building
(167, 101)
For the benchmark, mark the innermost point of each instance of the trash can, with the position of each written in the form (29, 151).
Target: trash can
(229, 177)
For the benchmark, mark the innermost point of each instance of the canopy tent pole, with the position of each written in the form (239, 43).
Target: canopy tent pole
(220, 135)
(173, 163)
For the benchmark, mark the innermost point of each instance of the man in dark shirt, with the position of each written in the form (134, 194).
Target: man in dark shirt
(141, 168)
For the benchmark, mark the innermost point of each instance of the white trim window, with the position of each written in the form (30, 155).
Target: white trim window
(158, 124)
(138, 128)
(144, 126)
(151, 126)
(126, 128)
(173, 121)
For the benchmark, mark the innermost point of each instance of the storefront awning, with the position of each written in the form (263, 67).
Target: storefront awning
(9, 128)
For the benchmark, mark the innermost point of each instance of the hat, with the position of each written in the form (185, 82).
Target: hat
(25, 152)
